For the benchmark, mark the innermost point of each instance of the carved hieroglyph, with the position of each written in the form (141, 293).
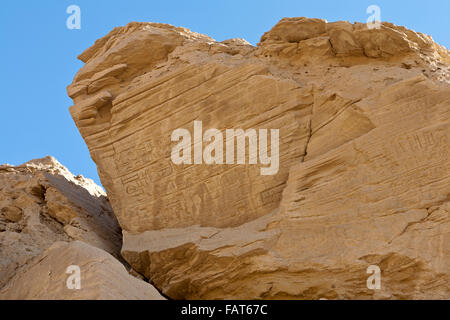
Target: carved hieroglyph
(364, 172)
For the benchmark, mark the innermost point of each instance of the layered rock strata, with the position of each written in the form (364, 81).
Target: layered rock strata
(363, 179)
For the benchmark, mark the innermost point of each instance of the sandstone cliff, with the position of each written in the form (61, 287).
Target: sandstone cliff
(43, 207)
(364, 177)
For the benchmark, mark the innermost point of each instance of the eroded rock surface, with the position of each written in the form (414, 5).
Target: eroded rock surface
(102, 277)
(364, 148)
(42, 203)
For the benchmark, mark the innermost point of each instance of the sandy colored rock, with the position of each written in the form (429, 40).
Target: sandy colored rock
(364, 176)
(102, 277)
(41, 202)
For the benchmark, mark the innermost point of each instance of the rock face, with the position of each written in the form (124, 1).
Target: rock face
(42, 203)
(363, 177)
(102, 277)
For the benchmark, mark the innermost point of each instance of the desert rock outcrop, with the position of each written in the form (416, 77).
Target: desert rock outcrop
(43, 205)
(364, 177)
(103, 277)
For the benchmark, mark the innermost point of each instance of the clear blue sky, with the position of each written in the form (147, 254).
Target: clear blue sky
(38, 54)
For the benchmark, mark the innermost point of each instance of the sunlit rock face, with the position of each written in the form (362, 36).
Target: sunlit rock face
(363, 176)
(41, 202)
(102, 277)
(51, 221)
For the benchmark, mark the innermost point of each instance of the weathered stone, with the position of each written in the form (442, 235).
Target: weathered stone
(12, 213)
(101, 277)
(42, 203)
(296, 29)
(363, 178)
(41, 200)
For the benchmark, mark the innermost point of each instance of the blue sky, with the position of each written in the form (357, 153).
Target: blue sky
(38, 54)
